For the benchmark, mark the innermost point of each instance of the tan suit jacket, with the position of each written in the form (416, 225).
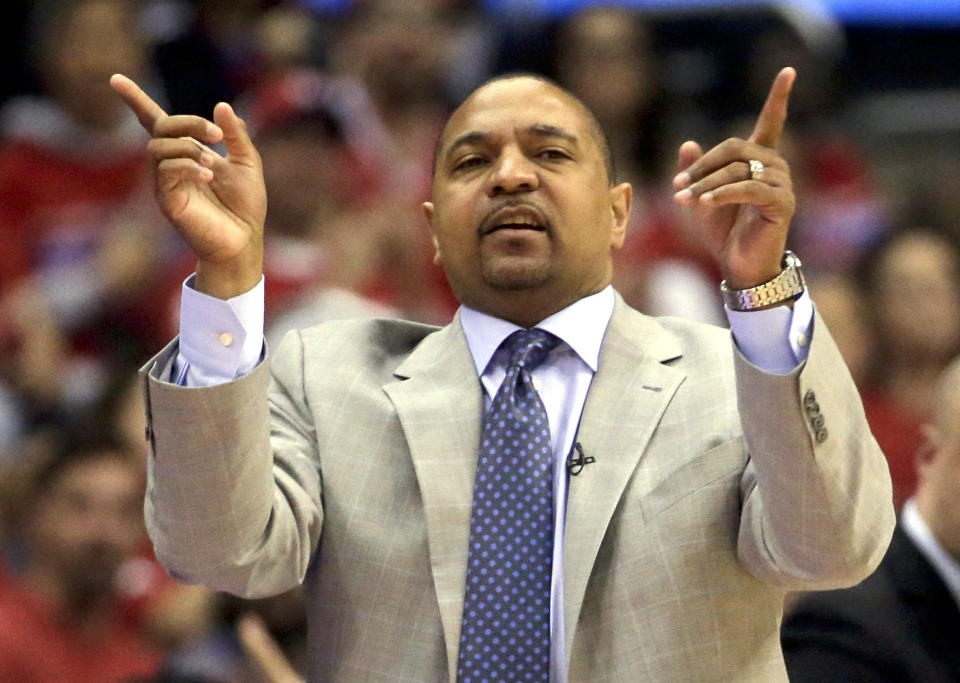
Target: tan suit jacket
(353, 473)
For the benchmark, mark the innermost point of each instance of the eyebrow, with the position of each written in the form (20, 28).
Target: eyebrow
(545, 130)
(548, 131)
(470, 138)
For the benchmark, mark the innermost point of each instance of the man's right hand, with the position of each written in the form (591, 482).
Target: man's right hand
(217, 204)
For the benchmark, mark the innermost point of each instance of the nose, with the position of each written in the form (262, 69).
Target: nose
(513, 172)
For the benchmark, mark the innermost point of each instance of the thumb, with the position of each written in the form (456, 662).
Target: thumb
(235, 135)
(688, 153)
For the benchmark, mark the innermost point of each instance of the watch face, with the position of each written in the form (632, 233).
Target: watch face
(790, 260)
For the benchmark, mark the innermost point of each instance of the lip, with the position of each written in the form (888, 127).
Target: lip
(517, 218)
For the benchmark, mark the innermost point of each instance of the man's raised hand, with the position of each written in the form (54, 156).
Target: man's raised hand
(743, 218)
(218, 204)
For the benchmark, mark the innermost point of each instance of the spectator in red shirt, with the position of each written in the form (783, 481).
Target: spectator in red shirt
(70, 154)
(60, 614)
(80, 247)
(913, 298)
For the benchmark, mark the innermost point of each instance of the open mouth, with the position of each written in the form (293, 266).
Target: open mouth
(515, 218)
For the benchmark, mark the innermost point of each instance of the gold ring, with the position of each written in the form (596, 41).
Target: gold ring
(756, 169)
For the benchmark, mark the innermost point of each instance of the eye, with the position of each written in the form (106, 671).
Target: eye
(469, 162)
(553, 154)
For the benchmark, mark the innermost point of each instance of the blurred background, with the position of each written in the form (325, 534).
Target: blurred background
(345, 101)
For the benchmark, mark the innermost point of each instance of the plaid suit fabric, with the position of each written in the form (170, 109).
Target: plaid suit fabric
(354, 473)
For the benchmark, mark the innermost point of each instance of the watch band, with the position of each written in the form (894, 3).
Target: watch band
(786, 286)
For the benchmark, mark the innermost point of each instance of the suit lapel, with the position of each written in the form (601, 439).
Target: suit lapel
(440, 404)
(439, 401)
(627, 397)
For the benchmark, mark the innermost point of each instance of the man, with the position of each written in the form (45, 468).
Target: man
(902, 623)
(60, 613)
(672, 549)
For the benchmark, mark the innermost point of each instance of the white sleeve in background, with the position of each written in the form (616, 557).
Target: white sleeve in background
(220, 340)
(776, 340)
(677, 287)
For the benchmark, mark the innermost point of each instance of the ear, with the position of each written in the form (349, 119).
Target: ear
(428, 213)
(621, 200)
(927, 453)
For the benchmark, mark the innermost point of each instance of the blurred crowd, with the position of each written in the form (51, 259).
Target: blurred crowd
(345, 107)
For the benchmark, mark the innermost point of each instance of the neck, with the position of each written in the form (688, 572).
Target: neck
(524, 308)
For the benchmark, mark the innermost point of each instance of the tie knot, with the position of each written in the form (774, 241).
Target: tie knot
(529, 348)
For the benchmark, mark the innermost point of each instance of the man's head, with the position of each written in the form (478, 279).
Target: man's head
(78, 45)
(938, 465)
(615, 41)
(301, 141)
(921, 265)
(524, 213)
(83, 518)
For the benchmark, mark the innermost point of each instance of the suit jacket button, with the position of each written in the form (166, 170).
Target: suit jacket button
(821, 435)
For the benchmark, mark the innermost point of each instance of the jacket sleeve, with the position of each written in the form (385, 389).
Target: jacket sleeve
(817, 508)
(233, 491)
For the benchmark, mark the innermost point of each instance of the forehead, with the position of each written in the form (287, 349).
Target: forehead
(504, 107)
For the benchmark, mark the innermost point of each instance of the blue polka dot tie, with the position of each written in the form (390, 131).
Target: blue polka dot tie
(505, 632)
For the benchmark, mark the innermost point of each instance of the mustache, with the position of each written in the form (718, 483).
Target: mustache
(489, 218)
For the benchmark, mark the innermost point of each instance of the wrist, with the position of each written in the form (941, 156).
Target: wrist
(739, 281)
(225, 280)
(781, 289)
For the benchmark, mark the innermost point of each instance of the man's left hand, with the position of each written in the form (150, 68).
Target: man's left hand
(743, 215)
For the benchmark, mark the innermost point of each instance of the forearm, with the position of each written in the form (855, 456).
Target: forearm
(226, 507)
(817, 508)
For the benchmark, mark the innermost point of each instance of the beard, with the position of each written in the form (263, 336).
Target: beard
(91, 577)
(513, 273)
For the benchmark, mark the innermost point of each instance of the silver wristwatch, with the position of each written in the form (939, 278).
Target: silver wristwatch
(788, 285)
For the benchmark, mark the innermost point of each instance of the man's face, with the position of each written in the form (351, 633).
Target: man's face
(522, 205)
(87, 522)
(921, 269)
(302, 170)
(938, 468)
(98, 39)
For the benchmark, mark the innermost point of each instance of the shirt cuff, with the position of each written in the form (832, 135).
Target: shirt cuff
(776, 340)
(220, 340)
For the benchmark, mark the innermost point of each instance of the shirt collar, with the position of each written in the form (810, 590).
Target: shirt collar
(916, 528)
(581, 325)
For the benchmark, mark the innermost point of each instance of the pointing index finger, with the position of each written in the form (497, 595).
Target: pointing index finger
(773, 116)
(147, 111)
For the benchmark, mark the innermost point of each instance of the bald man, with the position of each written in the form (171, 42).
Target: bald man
(902, 623)
(685, 482)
